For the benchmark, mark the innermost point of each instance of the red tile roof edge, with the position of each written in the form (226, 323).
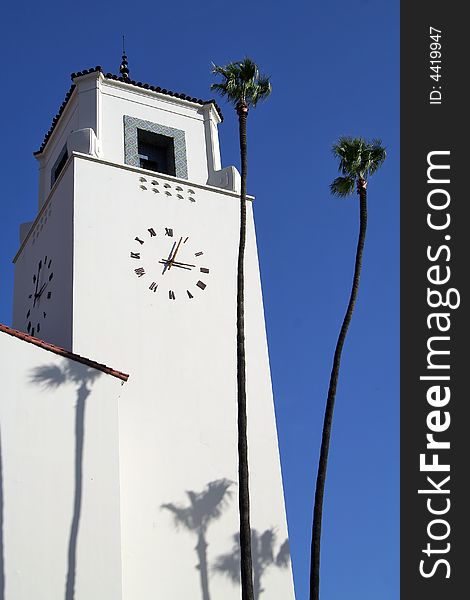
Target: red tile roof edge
(62, 352)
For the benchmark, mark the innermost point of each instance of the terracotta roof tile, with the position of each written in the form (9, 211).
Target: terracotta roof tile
(55, 120)
(146, 86)
(62, 352)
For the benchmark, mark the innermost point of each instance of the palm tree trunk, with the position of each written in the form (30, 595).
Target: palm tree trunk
(330, 403)
(243, 475)
(201, 550)
(82, 394)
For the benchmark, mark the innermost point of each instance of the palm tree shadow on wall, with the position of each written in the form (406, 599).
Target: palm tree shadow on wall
(262, 547)
(203, 508)
(51, 377)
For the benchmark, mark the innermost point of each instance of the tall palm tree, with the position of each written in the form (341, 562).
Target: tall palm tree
(358, 160)
(244, 87)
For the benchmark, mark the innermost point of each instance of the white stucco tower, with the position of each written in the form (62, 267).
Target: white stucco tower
(131, 261)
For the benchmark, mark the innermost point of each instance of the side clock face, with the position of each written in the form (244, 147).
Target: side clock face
(169, 264)
(40, 296)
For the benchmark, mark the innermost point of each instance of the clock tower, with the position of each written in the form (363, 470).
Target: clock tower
(132, 261)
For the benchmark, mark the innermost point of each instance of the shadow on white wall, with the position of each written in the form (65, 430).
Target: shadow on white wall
(203, 508)
(2, 564)
(82, 376)
(263, 557)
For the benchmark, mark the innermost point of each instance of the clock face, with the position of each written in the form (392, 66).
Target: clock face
(40, 296)
(169, 264)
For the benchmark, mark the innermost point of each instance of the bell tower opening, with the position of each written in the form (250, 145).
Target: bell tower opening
(156, 152)
(59, 164)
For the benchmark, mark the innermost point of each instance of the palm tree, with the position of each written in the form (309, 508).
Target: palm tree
(244, 87)
(204, 507)
(358, 160)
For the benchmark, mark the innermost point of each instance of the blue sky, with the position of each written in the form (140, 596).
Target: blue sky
(335, 71)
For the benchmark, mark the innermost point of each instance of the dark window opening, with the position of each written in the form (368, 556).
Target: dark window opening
(156, 152)
(59, 165)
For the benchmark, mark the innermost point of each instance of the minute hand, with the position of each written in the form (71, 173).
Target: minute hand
(172, 259)
(166, 262)
(43, 287)
(37, 283)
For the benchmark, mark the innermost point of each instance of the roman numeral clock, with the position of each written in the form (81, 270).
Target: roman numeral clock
(41, 293)
(131, 261)
(161, 258)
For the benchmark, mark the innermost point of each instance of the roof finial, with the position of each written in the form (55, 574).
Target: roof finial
(124, 68)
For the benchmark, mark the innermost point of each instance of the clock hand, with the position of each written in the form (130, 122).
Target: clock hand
(182, 264)
(177, 264)
(37, 283)
(172, 259)
(167, 262)
(43, 287)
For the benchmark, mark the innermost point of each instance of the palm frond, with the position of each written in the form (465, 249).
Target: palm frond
(376, 156)
(229, 564)
(80, 373)
(357, 159)
(283, 556)
(248, 69)
(241, 82)
(181, 516)
(343, 186)
(48, 376)
(203, 507)
(266, 543)
(262, 90)
(219, 87)
(210, 503)
(53, 376)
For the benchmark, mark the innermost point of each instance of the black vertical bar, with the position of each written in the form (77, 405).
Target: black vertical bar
(435, 252)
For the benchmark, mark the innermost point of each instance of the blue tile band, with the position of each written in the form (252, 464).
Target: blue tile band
(131, 156)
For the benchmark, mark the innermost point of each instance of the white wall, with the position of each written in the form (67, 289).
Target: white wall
(42, 425)
(69, 122)
(51, 235)
(178, 412)
(100, 104)
(119, 100)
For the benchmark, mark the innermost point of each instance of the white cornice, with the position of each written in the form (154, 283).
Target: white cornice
(186, 182)
(77, 155)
